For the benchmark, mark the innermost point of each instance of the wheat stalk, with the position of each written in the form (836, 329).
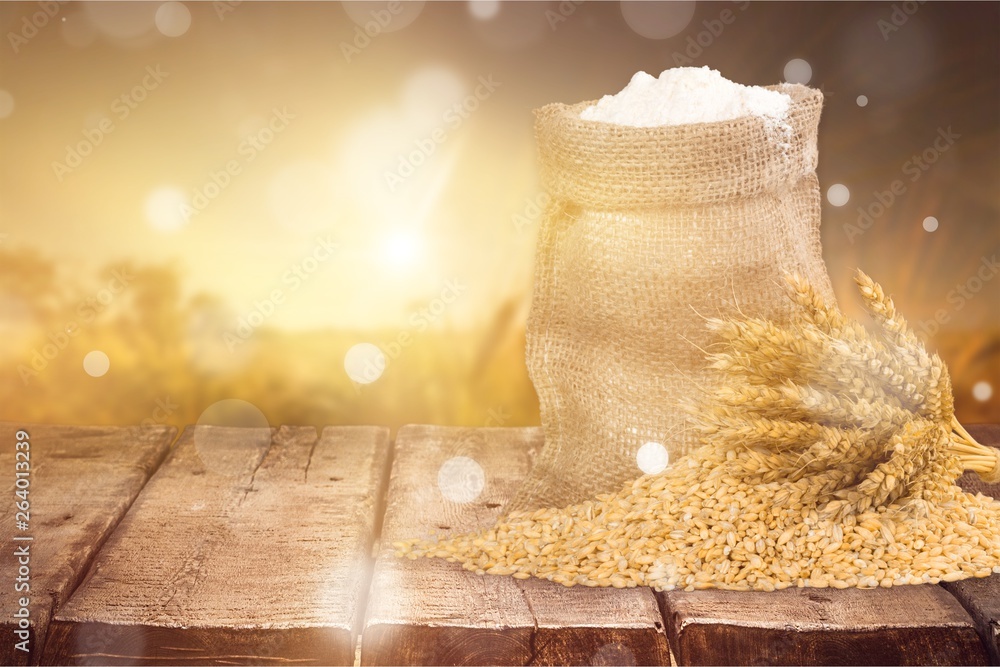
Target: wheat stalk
(830, 455)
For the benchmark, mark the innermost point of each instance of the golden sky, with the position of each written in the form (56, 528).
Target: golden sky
(350, 174)
(248, 144)
(315, 119)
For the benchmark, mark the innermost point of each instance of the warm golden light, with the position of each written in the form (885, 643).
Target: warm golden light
(226, 199)
(165, 209)
(401, 250)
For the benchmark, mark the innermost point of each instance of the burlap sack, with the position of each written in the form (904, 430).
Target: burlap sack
(647, 231)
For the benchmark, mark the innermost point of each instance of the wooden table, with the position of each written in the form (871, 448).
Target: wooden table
(981, 597)
(244, 546)
(82, 481)
(430, 611)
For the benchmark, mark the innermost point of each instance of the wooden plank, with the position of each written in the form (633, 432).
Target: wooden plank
(243, 549)
(905, 625)
(430, 611)
(981, 597)
(83, 479)
(908, 625)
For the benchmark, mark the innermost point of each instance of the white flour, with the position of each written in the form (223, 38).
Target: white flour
(689, 95)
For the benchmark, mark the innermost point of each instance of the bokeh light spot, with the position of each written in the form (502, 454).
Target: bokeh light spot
(798, 70)
(862, 100)
(484, 10)
(657, 20)
(838, 194)
(93, 641)
(982, 391)
(652, 458)
(77, 30)
(614, 654)
(96, 363)
(233, 412)
(461, 479)
(122, 20)
(401, 249)
(364, 363)
(930, 224)
(427, 94)
(173, 19)
(166, 209)
(6, 104)
(518, 24)
(232, 455)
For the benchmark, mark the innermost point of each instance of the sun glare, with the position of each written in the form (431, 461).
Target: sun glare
(166, 209)
(401, 249)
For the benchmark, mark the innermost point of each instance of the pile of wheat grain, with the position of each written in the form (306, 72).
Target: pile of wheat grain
(830, 460)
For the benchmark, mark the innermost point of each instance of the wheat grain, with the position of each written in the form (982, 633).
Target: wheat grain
(829, 460)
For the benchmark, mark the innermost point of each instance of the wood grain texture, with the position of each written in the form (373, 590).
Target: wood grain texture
(905, 625)
(430, 611)
(243, 549)
(908, 625)
(981, 597)
(83, 480)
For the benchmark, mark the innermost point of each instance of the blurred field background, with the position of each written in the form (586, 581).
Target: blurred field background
(131, 267)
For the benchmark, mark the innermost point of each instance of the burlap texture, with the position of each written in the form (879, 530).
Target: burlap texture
(649, 230)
